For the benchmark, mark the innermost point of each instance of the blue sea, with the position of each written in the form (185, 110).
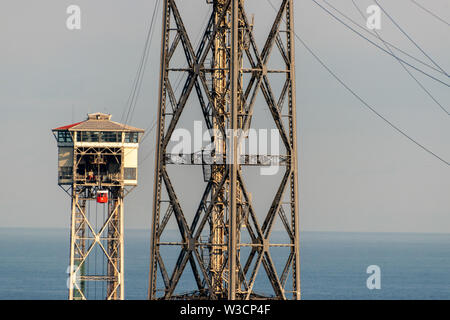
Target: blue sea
(33, 264)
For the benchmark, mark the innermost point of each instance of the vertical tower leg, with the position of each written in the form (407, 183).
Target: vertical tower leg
(77, 267)
(72, 265)
(115, 290)
(232, 232)
(217, 223)
(294, 153)
(154, 246)
(96, 247)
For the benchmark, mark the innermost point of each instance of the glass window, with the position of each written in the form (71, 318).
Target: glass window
(94, 136)
(64, 136)
(111, 136)
(88, 136)
(82, 136)
(131, 137)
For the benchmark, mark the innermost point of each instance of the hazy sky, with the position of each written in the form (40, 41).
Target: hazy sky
(356, 173)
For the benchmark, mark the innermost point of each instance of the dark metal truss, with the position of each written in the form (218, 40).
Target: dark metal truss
(169, 113)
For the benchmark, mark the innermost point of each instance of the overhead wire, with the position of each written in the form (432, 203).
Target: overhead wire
(178, 82)
(149, 130)
(376, 45)
(412, 40)
(380, 38)
(430, 12)
(367, 105)
(402, 65)
(137, 83)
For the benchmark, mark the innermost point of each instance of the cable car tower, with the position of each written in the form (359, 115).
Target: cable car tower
(97, 167)
(225, 243)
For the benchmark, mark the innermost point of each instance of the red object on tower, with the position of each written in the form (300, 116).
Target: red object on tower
(102, 196)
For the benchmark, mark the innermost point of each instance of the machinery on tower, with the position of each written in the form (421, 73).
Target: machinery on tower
(97, 167)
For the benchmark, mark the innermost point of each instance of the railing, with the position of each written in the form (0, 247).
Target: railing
(199, 158)
(107, 178)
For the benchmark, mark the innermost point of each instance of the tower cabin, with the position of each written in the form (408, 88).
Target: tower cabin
(98, 152)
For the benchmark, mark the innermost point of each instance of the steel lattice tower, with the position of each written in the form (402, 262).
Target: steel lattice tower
(97, 167)
(225, 73)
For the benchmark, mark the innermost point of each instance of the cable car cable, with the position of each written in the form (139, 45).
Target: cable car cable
(404, 32)
(141, 68)
(138, 71)
(406, 69)
(376, 45)
(362, 100)
(431, 13)
(382, 39)
(178, 81)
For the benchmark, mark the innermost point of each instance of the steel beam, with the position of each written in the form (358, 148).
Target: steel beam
(92, 233)
(219, 270)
